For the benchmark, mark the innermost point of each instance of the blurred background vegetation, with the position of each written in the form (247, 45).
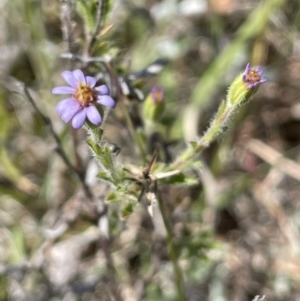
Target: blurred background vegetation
(236, 228)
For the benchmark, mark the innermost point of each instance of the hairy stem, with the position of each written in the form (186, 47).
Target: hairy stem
(216, 129)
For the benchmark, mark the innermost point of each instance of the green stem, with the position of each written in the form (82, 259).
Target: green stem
(214, 131)
(173, 255)
(133, 133)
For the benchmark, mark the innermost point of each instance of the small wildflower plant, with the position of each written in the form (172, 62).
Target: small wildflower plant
(83, 107)
(84, 100)
(83, 104)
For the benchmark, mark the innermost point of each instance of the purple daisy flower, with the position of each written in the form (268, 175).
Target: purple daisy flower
(253, 78)
(83, 100)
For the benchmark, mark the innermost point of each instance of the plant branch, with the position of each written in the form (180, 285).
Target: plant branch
(173, 254)
(75, 57)
(131, 128)
(216, 129)
(97, 27)
(133, 132)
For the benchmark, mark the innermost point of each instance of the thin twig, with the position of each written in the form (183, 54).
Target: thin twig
(59, 148)
(78, 58)
(121, 99)
(66, 21)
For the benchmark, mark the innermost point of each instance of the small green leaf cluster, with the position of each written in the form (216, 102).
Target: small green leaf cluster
(103, 155)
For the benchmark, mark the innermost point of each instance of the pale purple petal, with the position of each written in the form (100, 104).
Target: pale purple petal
(78, 74)
(248, 67)
(63, 90)
(91, 81)
(263, 80)
(79, 118)
(63, 105)
(258, 69)
(93, 115)
(103, 90)
(260, 73)
(106, 100)
(70, 78)
(70, 112)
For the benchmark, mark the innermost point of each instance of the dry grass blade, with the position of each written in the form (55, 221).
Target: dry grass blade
(274, 158)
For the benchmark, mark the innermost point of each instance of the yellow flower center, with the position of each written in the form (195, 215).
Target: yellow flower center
(252, 77)
(84, 94)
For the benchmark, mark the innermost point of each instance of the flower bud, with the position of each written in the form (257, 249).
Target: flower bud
(245, 85)
(154, 104)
